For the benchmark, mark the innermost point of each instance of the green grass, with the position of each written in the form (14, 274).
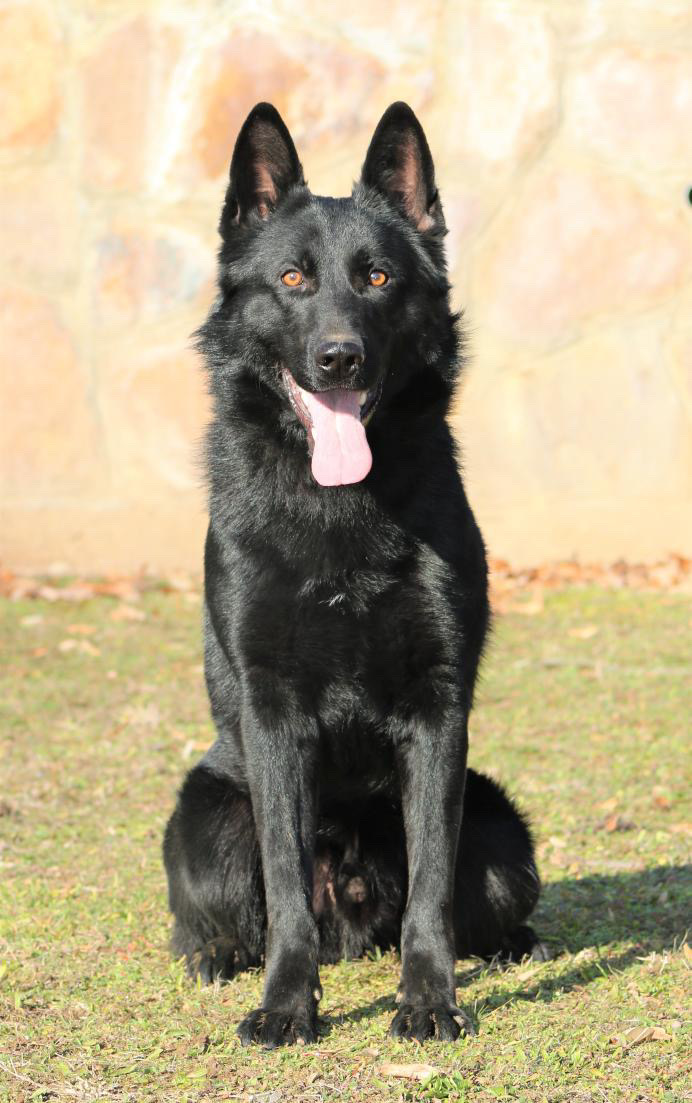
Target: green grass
(589, 729)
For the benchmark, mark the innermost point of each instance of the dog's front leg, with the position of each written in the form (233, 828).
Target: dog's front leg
(280, 762)
(431, 758)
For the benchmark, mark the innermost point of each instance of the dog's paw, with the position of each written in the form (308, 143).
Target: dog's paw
(272, 1029)
(418, 1024)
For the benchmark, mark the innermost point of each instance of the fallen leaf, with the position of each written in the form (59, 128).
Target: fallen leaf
(681, 828)
(662, 801)
(31, 621)
(618, 823)
(585, 632)
(79, 591)
(145, 716)
(179, 581)
(81, 629)
(127, 612)
(639, 1034)
(530, 608)
(407, 1072)
(687, 953)
(370, 1051)
(48, 593)
(83, 646)
(191, 746)
(123, 588)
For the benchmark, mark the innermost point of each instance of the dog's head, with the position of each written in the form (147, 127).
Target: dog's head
(335, 307)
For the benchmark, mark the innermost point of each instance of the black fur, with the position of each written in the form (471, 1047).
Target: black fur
(343, 624)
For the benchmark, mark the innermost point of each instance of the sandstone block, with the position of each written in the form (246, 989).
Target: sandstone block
(323, 91)
(145, 272)
(125, 81)
(498, 92)
(41, 220)
(574, 245)
(48, 437)
(155, 409)
(634, 103)
(585, 441)
(29, 74)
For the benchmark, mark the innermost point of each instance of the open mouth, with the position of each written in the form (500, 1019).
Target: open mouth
(335, 422)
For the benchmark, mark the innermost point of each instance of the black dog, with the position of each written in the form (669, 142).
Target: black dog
(346, 607)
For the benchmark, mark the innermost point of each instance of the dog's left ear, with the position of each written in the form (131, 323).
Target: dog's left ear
(399, 165)
(264, 167)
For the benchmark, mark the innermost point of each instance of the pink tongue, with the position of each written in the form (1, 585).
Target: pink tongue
(341, 453)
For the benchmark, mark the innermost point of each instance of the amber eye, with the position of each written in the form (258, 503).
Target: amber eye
(292, 278)
(377, 278)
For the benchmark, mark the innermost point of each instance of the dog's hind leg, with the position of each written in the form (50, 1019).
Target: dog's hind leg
(497, 883)
(214, 877)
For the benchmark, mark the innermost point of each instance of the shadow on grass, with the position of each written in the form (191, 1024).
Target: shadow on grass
(649, 908)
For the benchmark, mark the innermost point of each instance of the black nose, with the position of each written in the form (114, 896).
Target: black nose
(341, 358)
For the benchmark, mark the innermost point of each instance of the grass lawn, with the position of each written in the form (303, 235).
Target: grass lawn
(583, 710)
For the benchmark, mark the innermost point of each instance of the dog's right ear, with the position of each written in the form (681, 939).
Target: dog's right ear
(264, 167)
(399, 165)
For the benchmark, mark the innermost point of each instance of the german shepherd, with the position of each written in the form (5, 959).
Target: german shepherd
(345, 607)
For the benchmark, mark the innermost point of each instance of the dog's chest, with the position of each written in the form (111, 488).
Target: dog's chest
(349, 643)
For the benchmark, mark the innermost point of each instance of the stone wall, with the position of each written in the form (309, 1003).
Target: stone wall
(562, 132)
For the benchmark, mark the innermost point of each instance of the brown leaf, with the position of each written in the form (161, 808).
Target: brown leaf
(618, 823)
(123, 588)
(662, 801)
(530, 608)
(127, 612)
(179, 581)
(31, 621)
(407, 1072)
(639, 1034)
(191, 746)
(144, 716)
(83, 646)
(78, 591)
(81, 629)
(585, 632)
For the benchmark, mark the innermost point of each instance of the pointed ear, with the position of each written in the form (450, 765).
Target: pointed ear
(264, 167)
(399, 165)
